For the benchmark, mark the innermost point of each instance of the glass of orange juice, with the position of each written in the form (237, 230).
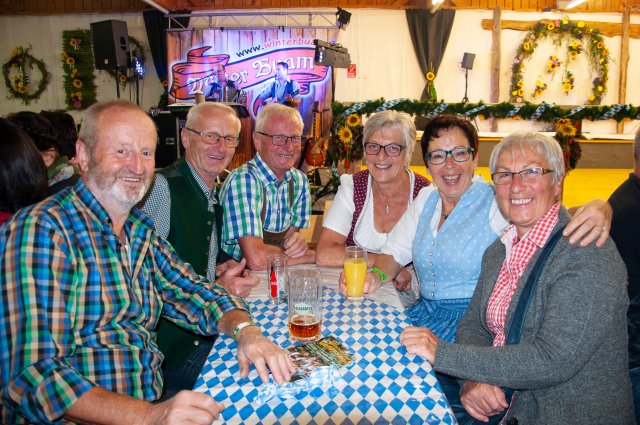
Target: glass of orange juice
(355, 270)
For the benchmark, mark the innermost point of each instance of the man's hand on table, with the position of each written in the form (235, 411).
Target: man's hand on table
(254, 348)
(482, 400)
(236, 279)
(295, 246)
(420, 341)
(186, 407)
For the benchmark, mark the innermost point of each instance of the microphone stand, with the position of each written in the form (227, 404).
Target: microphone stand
(465, 99)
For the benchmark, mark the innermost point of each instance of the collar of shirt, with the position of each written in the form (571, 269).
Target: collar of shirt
(286, 80)
(265, 174)
(538, 234)
(85, 196)
(211, 196)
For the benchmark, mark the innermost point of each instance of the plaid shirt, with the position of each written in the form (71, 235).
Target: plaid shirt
(518, 255)
(242, 198)
(78, 308)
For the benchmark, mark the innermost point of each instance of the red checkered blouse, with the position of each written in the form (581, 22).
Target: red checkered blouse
(518, 255)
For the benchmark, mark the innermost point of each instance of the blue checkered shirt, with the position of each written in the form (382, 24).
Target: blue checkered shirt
(242, 198)
(78, 307)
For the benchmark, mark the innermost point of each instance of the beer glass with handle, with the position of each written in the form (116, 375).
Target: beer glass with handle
(305, 304)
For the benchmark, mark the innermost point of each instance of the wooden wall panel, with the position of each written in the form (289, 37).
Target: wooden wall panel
(48, 7)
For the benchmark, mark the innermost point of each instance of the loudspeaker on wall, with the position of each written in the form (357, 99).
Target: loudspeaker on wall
(110, 44)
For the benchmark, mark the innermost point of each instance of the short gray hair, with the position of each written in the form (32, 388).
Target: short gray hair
(196, 111)
(546, 147)
(89, 128)
(277, 109)
(392, 119)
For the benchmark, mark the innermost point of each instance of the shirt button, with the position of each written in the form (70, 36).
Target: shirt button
(434, 283)
(433, 295)
(208, 238)
(196, 343)
(433, 242)
(430, 264)
(430, 253)
(209, 222)
(118, 245)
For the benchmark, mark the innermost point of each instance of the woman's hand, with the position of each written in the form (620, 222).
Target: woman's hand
(482, 400)
(372, 282)
(402, 282)
(420, 341)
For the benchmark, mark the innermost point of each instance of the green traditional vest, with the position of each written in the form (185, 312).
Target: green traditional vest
(190, 233)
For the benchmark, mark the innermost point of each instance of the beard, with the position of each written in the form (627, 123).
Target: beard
(110, 185)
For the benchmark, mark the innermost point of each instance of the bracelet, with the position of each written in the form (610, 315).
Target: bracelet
(240, 327)
(380, 273)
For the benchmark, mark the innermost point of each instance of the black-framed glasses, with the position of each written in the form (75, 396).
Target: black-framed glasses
(211, 138)
(390, 149)
(281, 139)
(526, 175)
(439, 156)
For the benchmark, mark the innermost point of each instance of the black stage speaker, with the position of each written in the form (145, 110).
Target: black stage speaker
(467, 61)
(110, 44)
(169, 148)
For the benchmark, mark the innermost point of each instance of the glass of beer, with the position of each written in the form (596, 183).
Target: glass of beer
(305, 304)
(355, 271)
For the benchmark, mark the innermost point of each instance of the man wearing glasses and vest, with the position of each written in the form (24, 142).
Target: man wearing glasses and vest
(184, 207)
(266, 200)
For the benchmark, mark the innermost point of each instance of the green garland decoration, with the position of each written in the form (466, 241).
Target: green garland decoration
(129, 77)
(78, 65)
(17, 75)
(578, 37)
(500, 110)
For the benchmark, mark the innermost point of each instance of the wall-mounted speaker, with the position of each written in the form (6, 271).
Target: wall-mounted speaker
(110, 44)
(467, 61)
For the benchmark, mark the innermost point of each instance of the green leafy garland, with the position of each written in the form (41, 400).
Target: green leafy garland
(17, 75)
(129, 77)
(77, 64)
(578, 37)
(551, 113)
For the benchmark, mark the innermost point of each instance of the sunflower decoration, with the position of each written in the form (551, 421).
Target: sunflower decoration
(19, 72)
(539, 88)
(568, 82)
(430, 89)
(553, 64)
(566, 135)
(346, 140)
(574, 49)
(78, 65)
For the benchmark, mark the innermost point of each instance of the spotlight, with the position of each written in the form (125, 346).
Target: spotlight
(331, 54)
(342, 17)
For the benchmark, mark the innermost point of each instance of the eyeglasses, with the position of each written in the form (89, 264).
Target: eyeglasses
(211, 138)
(528, 175)
(281, 139)
(439, 156)
(391, 149)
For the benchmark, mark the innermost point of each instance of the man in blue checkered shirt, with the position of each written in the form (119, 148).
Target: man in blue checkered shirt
(84, 280)
(266, 201)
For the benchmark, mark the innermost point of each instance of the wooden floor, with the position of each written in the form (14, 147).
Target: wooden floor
(580, 186)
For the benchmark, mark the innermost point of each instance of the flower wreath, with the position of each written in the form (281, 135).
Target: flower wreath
(17, 76)
(129, 77)
(578, 37)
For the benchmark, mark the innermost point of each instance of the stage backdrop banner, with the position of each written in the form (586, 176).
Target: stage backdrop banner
(250, 59)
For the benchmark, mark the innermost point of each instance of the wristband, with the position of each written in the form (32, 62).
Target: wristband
(240, 327)
(380, 273)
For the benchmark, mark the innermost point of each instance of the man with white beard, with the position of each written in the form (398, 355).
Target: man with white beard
(84, 280)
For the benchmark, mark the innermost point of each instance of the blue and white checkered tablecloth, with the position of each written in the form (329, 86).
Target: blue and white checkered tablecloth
(384, 385)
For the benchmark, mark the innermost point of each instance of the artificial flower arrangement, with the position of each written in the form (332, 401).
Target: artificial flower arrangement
(78, 65)
(346, 139)
(18, 73)
(579, 38)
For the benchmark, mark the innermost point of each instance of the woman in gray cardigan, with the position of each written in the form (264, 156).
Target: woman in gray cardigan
(570, 366)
